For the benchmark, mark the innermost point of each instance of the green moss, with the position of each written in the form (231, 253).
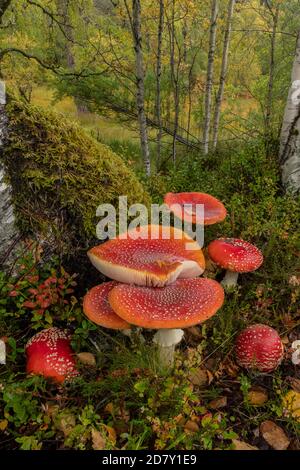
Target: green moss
(60, 175)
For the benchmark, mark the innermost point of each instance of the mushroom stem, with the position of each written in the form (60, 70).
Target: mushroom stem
(230, 279)
(166, 340)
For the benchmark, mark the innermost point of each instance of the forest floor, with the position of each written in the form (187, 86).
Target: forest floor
(122, 398)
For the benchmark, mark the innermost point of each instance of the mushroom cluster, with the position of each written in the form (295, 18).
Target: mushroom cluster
(155, 278)
(156, 285)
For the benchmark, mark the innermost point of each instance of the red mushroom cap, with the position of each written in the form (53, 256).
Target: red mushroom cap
(235, 255)
(148, 260)
(259, 347)
(214, 210)
(49, 354)
(185, 303)
(97, 308)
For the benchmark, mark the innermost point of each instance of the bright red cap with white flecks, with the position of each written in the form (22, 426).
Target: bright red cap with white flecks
(49, 354)
(259, 347)
(235, 255)
(97, 308)
(184, 303)
(157, 257)
(214, 210)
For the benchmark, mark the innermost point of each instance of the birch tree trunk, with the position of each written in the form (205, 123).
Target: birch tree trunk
(209, 77)
(63, 11)
(223, 75)
(269, 103)
(289, 153)
(8, 230)
(158, 79)
(174, 79)
(140, 93)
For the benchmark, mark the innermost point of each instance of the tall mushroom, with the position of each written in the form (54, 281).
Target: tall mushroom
(259, 347)
(214, 210)
(236, 256)
(49, 354)
(184, 303)
(149, 261)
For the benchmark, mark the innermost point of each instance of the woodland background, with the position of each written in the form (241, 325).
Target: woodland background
(113, 97)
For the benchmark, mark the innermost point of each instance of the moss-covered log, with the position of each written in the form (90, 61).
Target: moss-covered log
(59, 175)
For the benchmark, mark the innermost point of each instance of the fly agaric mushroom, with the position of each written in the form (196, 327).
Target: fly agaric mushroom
(259, 347)
(49, 354)
(236, 256)
(185, 303)
(214, 210)
(97, 308)
(149, 261)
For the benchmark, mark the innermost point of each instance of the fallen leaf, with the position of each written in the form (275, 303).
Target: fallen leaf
(65, 423)
(295, 383)
(3, 424)
(194, 331)
(119, 373)
(112, 435)
(191, 426)
(51, 410)
(227, 367)
(199, 377)
(257, 396)
(220, 402)
(291, 404)
(241, 445)
(285, 339)
(109, 408)
(98, 440)
(274, 435)
(87, 358)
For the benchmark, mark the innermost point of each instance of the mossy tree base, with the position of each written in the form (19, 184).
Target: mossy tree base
(59, 176)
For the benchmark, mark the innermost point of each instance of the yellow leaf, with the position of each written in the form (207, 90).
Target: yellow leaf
(274, 435)
(3, 424)
(241, 445)
(257, 396)
(98, 440)
(291, 404)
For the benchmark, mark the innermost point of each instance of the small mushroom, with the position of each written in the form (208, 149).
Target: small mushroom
(150, 259)
(185, 303)
(214, 210)
(296, 352)
(49, 354)
(259, 347)
(236, 256)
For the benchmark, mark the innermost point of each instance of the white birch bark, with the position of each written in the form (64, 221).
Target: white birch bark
(8, 231)
(209, 77)
(289, 153)
(223, 75)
